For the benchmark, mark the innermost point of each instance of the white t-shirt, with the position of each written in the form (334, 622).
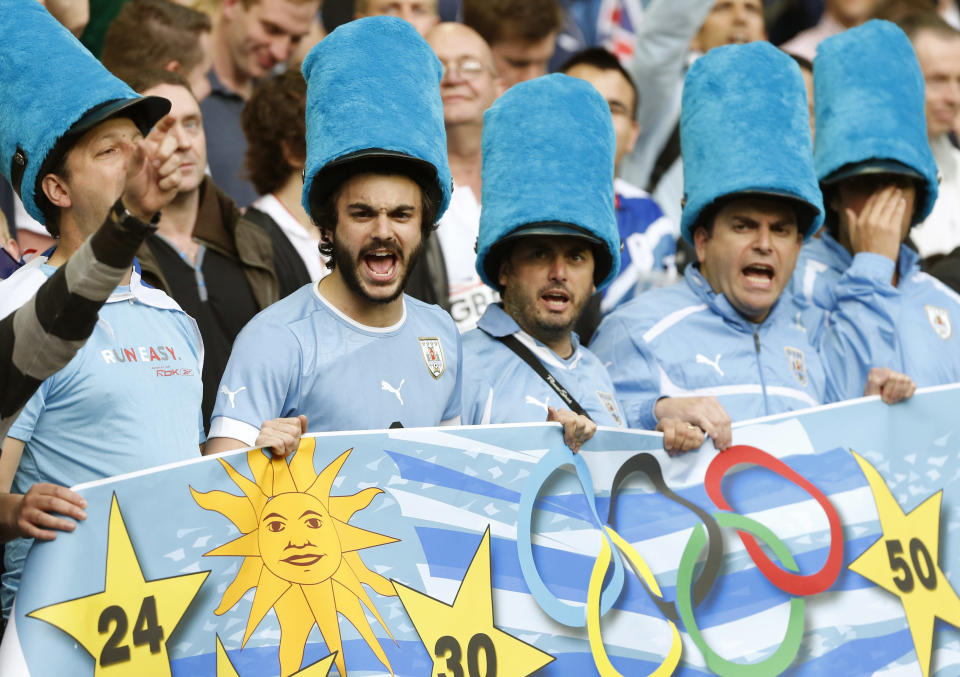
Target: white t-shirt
(940, 232)
(458, 230)
(305, 245)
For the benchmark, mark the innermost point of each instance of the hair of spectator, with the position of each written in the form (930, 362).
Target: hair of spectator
(498, 20)
(273, 122)
(603, 60)
(325, 217)
(143, 80)
(915, 23)
(149, 34)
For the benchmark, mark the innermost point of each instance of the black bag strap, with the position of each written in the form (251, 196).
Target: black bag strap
(525, 354)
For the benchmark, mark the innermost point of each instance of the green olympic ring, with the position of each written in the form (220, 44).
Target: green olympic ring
(784, 655)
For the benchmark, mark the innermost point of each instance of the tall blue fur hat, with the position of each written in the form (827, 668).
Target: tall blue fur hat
(373, 102)
(745, 128)
(54, 90)
(869, 104)
(548, 153)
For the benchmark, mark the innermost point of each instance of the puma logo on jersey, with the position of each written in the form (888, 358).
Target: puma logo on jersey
(232, 395)
(715, 363)
(530, 399)
(396, 391)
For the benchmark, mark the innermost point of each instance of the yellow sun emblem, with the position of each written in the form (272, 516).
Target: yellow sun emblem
(299, 552)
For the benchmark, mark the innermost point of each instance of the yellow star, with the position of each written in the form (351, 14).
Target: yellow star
(225, 668)
(904, 561)
(126, 627)
(463, 635)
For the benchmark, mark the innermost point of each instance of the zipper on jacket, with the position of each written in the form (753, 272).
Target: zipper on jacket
(763, 386)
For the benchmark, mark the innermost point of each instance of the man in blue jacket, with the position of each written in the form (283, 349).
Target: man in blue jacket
(726, 343)
(548, 239)
(879, 178)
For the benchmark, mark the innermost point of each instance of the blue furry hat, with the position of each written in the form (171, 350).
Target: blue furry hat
(548, 151)
(745, 128)
(53, 91)
(373, 102)
(869, 104)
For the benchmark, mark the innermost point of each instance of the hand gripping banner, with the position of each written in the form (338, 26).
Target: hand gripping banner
(822, 543)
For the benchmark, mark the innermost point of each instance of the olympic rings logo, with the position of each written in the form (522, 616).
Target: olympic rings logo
(690, 592)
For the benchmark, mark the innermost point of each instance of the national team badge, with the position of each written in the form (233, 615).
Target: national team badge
(610, 404)
(939, 320)
(798, 365)
(433, 356)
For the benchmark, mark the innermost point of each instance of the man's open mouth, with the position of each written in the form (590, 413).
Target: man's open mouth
(556, 299)
(759, 274)
(381, 265)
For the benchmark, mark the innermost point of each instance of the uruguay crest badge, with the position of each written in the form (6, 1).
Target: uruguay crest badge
(433, 356)
(610, 404)
(939, 320)
(798, 364)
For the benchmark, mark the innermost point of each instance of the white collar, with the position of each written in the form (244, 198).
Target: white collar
(349, 320)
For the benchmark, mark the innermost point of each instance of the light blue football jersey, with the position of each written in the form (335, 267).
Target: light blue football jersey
(499, 387)
(129, 400)
(303, 356)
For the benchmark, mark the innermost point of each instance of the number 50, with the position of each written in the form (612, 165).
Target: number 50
(926, 574)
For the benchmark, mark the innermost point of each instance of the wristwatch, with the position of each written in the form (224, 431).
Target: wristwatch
(128, 221)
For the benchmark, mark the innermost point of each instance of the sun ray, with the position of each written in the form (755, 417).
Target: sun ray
(250, 489)
(293, 605)
(344, 507)
(355, 538)
(242, 546)
(246, 578)
(259, 463)
(237, 509)
(269, 589)
(324, 483)
(301, 465)
(346, 577)
(282, 479)
(349, 606)
(323, 606)
(373, 579)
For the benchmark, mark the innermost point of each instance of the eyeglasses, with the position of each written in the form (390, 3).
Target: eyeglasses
(467, 67)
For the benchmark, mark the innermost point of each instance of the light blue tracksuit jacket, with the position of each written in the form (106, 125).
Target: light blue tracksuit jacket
(925, 345)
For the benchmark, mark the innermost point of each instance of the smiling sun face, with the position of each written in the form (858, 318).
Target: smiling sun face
(299, 552)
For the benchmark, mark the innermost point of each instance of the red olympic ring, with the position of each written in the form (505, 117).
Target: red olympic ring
(795, 584)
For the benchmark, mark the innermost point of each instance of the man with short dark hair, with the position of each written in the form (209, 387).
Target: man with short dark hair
(546, 248)
(130, 398)
(213, 262)
(250, 38)
(726, 340)
(878, 177)
(521, 33)
(160, 35)
(649, 245)
(352, 351)
(422, 14)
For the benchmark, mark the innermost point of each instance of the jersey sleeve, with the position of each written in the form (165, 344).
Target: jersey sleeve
(261, 382)
(633, 370)
(858, 331)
